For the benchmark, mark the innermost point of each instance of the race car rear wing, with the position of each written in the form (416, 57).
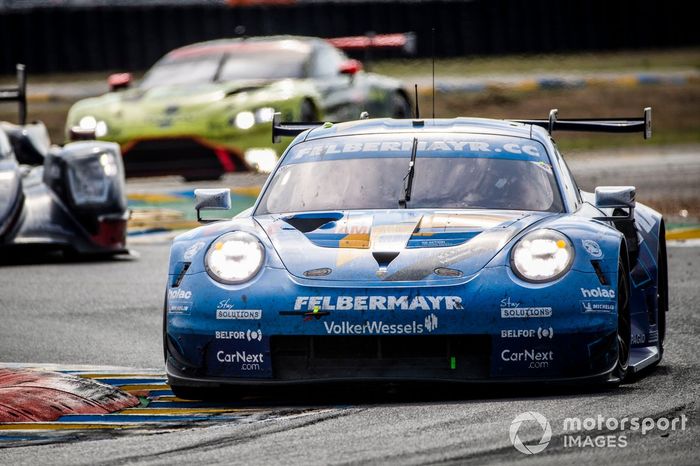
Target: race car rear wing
(18, 94)
(291, 129)
(405, 41)
(596, 125)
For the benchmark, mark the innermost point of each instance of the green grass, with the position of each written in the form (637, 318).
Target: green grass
(646, 60)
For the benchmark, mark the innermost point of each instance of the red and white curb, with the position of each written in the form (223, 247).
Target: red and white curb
(64, 403)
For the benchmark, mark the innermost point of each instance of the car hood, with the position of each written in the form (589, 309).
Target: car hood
(169, 108)
(394, 245)
(201, 92)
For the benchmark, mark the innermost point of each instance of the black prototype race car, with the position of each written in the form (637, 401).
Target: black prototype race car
(68, 198)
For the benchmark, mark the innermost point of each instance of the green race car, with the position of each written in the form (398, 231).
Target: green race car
(205, 109)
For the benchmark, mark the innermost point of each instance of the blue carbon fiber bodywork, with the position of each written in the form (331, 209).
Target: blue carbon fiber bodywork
(452, 278)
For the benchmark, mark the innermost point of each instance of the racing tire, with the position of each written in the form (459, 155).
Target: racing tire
(400, 107)
(662, 292)
(624, 324)
(165, 328)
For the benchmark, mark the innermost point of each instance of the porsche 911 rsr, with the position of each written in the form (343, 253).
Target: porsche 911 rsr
(456, 250)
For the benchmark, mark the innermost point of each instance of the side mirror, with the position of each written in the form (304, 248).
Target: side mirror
(616, 197)
(211, 199)
(350, 67)
(119, 81)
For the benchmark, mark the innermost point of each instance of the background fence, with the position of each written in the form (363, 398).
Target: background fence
(64, 39)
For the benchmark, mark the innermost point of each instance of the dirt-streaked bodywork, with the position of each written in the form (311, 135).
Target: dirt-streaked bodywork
(447, 307)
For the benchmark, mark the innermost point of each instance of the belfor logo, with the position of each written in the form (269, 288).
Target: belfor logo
(529, 417)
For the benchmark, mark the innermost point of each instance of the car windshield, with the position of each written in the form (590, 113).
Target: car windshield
(451, 172)
(237, 64)
(273, 64)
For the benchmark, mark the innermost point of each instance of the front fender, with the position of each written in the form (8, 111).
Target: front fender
(644, 276)
(593, 242)
(191, 247)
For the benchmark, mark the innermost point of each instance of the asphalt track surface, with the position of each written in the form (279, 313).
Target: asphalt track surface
(109, 313)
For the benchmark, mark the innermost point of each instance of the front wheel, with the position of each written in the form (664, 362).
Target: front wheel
(624, 326)
(662, 292)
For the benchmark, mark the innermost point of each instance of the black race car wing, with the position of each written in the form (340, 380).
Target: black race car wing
(598, 125)
(280, 129)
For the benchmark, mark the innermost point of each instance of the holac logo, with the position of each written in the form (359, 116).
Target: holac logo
(529, 417)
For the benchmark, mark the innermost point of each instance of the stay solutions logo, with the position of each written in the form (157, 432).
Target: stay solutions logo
(530, 417)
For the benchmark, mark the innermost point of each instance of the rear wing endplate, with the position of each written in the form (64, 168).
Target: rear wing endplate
(596, 125)
(17, 94)
(291, 129)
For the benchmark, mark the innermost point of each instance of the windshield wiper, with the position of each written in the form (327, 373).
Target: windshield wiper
(408, 179)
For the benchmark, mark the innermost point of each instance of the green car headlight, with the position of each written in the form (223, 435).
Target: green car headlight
(90, 123)
(244, 120)
(264, 114)
(247, 119)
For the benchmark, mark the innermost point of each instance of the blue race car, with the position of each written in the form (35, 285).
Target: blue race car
(457, 250)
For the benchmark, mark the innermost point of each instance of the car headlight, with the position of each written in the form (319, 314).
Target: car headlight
(101, 129)
(234, 258)
(264, 114)
(247, 119)
(91, 176)
(541, 256)
(90, 123)
(262, 159)
(244, 120)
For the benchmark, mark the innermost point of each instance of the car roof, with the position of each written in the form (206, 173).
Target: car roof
(262, 43)
(484, 126)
